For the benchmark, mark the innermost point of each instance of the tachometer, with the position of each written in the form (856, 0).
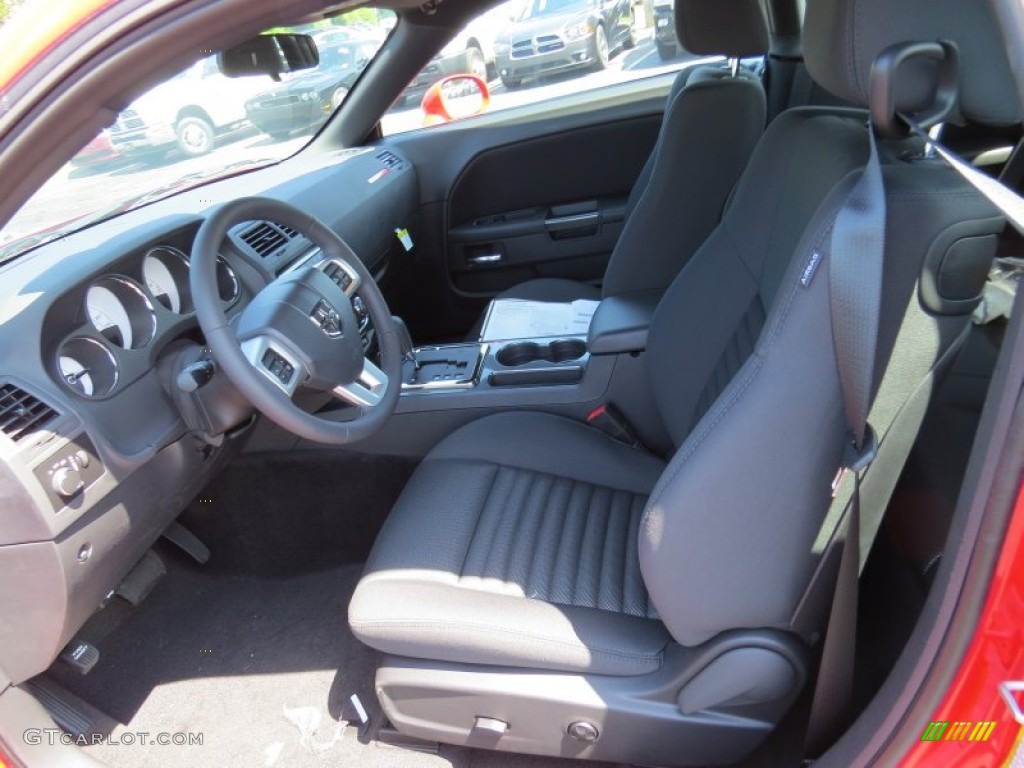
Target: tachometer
(165, 271)
(120, 311)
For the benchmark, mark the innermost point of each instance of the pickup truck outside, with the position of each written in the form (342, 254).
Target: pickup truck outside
(188, 112)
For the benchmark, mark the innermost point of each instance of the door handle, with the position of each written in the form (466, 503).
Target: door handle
(485, 258)
(572, 221)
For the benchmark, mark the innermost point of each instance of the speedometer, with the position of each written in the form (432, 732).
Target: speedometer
(120, 312)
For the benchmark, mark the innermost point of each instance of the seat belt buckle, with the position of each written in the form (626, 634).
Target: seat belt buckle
(609, 419)
(856, 459)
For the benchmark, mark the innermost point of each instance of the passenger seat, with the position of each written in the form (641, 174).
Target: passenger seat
(713, 118)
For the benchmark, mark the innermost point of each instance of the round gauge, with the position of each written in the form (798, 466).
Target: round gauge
(227, 282)
(87, 367)
(120, 311)
(165, 271)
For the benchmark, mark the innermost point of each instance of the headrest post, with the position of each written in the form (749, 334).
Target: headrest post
(885, 72)
(843, 39)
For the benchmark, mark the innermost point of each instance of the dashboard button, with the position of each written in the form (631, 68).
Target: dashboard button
(67, 481)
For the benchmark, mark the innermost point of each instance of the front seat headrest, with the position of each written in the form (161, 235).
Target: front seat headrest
(842, 38)
(734, 28)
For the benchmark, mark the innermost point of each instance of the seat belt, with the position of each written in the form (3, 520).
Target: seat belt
(1006, 200)
(856, 261)
(855, 273)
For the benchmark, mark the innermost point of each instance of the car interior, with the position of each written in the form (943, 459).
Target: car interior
(288, 459)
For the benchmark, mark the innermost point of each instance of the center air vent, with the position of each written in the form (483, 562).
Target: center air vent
(266, 238)
(21, 414)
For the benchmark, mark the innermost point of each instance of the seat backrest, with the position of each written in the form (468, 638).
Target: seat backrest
(742, 360)
(713, 118)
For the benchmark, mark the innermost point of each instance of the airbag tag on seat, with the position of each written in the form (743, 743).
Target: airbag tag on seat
(810, 269)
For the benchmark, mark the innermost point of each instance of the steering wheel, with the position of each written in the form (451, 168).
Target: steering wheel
(300, 330)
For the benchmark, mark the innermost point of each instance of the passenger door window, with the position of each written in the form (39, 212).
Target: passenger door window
(528, 51)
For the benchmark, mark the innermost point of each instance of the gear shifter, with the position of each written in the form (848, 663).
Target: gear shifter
(405, 342)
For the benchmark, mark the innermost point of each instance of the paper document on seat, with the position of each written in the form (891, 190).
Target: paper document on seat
(522, 319)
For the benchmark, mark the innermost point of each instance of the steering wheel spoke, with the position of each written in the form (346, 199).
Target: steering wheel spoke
(367, 390)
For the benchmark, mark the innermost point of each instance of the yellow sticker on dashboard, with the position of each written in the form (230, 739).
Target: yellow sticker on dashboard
(404, 238)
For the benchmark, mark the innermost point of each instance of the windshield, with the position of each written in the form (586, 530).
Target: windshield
(551, 7)
(199, 125)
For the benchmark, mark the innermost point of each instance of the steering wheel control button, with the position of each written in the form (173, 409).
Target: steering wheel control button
(280, 368)
(339, 275)
(583, 731)
(327, 319)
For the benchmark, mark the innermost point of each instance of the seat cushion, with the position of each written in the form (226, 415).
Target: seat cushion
(515, 544)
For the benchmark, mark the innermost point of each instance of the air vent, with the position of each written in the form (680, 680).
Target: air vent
(288, 231)
(389, 159)
(21, 414)
(265, 238)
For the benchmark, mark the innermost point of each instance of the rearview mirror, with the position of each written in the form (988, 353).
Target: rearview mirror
(271, 55)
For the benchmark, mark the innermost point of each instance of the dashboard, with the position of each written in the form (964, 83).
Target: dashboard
(99, 449)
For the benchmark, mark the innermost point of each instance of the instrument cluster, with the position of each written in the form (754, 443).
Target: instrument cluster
(124, 313)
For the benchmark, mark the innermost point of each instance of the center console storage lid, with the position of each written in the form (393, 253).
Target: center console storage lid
(620, 323)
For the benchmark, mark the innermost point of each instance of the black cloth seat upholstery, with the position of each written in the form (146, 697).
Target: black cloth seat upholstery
(518, 551)
(511, 551)
(713, 118)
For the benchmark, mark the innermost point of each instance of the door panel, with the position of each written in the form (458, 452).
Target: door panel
(552, 206)
(542, 187)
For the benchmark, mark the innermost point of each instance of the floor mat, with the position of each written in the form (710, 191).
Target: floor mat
(260, 667)
(284, 513)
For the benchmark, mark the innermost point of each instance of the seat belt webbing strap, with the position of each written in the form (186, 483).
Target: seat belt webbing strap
(1006, 200)
(854, 291)
(856, 262)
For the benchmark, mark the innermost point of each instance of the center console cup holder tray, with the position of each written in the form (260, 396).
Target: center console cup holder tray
(525, 352)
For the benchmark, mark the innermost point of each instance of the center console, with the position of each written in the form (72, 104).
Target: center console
(565, 359)
(522, 344)
(510, 363)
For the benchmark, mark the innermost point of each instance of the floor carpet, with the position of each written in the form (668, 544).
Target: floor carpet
(261, 667)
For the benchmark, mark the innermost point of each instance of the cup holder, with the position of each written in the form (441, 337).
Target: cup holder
(523, 352)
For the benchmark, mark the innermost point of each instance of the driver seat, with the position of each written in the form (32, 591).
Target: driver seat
(542, 588)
